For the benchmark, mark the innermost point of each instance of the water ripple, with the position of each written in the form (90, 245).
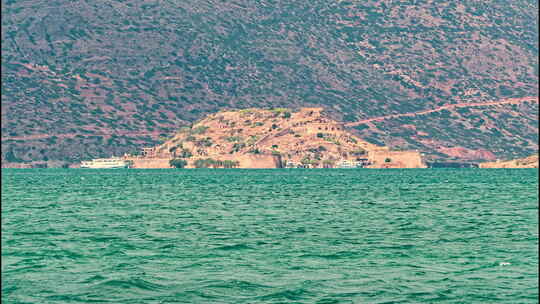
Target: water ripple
(269, 236)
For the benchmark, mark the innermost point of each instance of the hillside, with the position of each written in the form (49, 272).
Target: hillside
(526, 162)
(84, 79)
(270, 138)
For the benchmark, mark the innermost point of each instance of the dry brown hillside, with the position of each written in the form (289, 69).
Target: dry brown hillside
(527, 162)
(86, 79)
(256, 138)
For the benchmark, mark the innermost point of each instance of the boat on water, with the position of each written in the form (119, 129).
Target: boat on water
(105, 163)
(346, 164)
(349, 164)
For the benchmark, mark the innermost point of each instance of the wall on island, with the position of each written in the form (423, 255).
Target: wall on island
(246, 161)
(150, 163)
(260, 161)
(398, 159)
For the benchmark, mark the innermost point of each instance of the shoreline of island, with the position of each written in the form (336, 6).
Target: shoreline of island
(273, 138)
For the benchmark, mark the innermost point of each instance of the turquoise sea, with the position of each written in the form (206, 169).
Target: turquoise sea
(270, 236)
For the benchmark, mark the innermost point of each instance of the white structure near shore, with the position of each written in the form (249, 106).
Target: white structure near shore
(105, 163)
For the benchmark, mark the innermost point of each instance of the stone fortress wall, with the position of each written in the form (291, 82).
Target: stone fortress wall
(397, 159)
(260, 161)
(149, 163)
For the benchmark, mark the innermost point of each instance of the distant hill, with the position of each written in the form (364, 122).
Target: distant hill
(83, 79)
(526, 162)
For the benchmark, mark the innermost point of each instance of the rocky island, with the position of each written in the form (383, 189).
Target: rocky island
(270, 138)
(526, 162)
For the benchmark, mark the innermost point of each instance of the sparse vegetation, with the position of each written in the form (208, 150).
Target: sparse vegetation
(186, 153)
(178, 163)
(328, 163)
(359, 152)
(252, 139)
(237, 147)
(199, 130)
(245, 111)
(332, 139)
(203, 163)
(204, 142)
(254, 151)
(214, 163)
(234, 139)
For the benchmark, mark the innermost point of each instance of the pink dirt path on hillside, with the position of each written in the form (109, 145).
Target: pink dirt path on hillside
(447, 107)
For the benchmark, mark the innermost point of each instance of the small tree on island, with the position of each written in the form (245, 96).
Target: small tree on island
(231, 164)
(178, 163)
(203, 163)
(328, 163)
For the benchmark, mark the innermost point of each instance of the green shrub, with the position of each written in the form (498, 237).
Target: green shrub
(231, 164)
(359, 151)
(245, 111)
(237, 147)
(178, 163)
(199, 130)
(205, 142)
(332, 140)
(328, 163)
(234, 138)
(216, 163)
(203, 163)
(186, 153)
(184, 129)
(305, 160)
(253, 139)
(361, 127)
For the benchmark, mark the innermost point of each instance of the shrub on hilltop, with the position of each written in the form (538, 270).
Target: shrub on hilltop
(178, 163)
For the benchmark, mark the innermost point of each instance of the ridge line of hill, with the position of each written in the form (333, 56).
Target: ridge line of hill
(447, 107)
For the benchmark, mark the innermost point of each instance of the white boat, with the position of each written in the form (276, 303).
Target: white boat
(347, 164)
(105, 163)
